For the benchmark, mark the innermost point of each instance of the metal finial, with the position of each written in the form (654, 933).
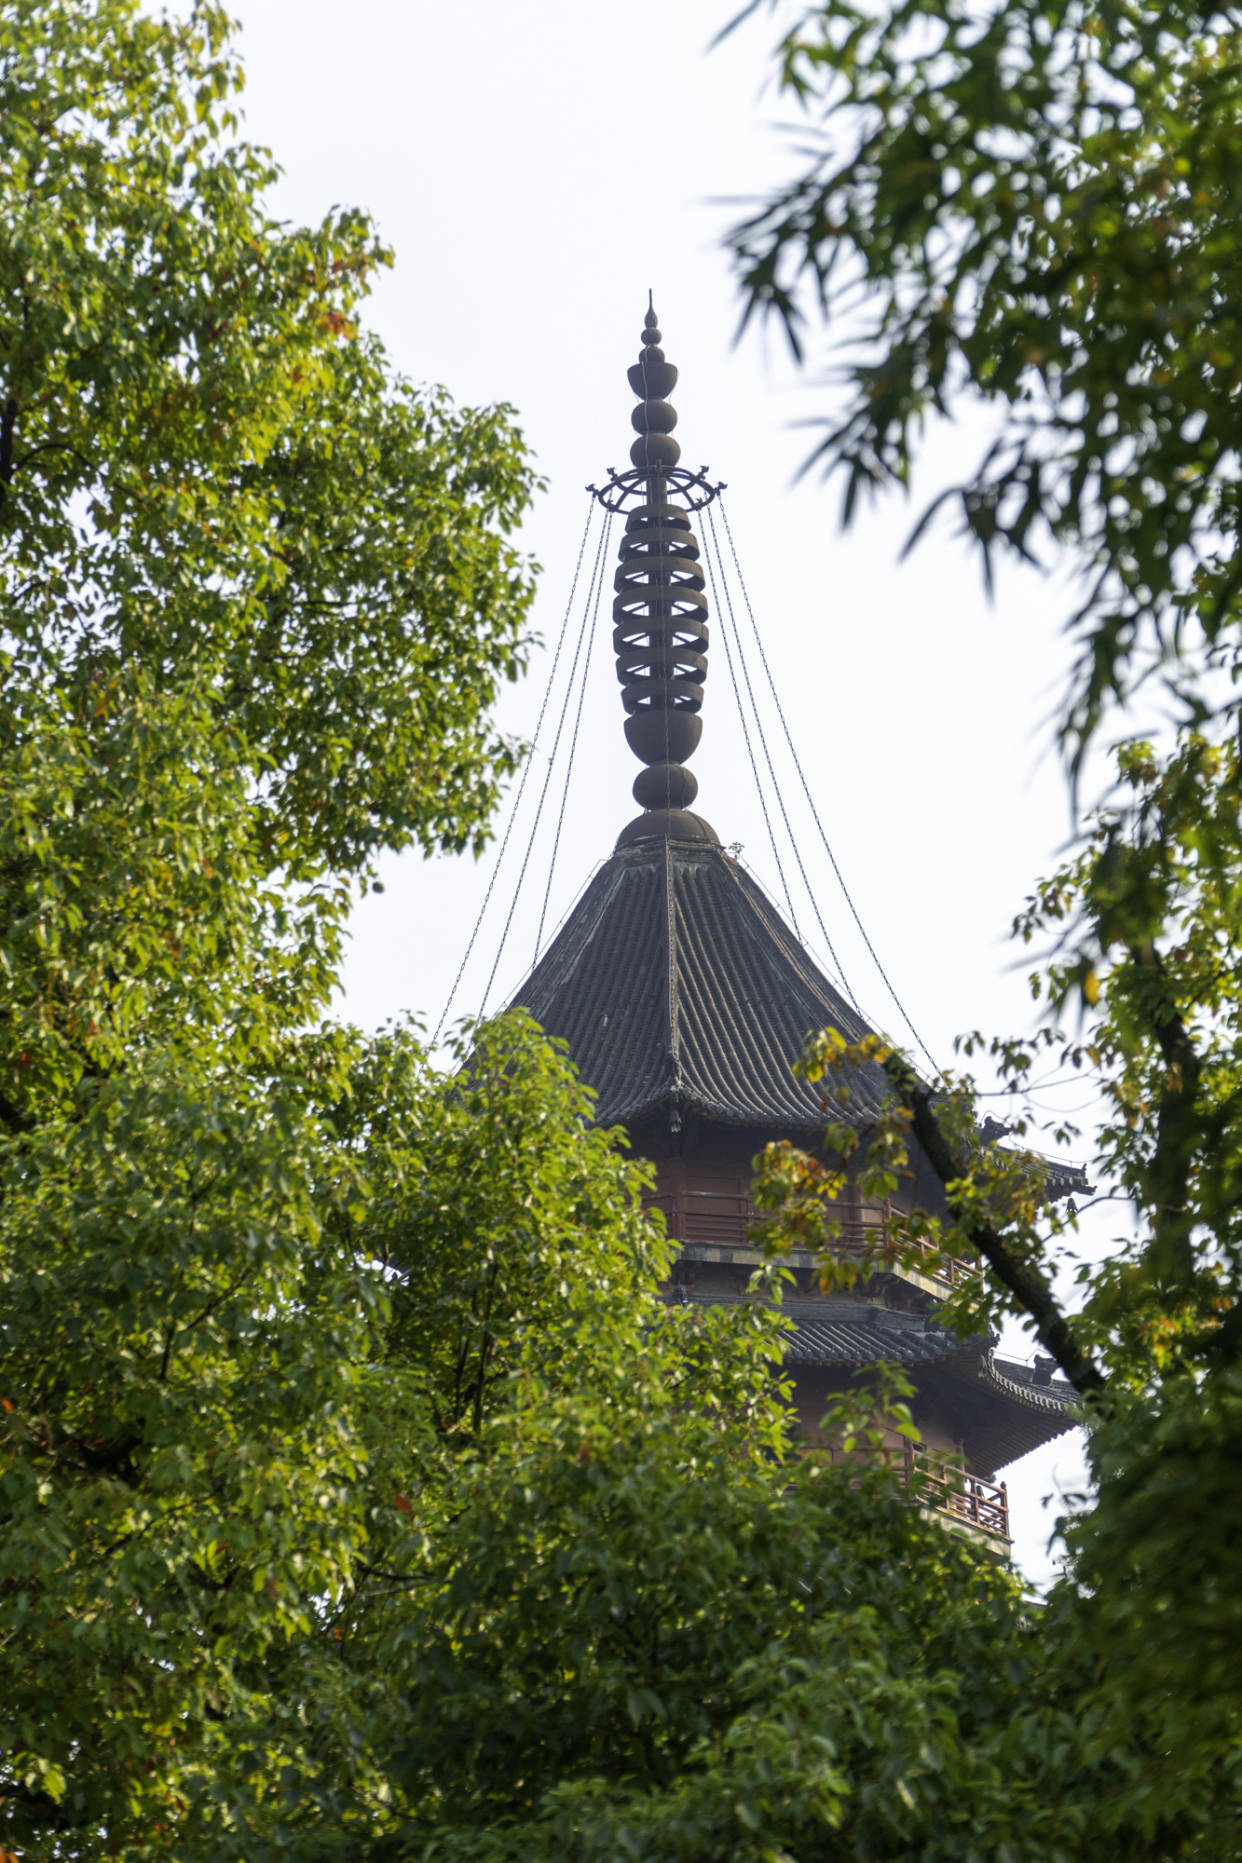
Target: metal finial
(655, 451)
(660, 611)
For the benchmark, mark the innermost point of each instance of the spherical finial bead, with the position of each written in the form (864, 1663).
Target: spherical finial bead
(651, 378)
(654, 449)
(663, 735)
(653, 417)
(665, 786)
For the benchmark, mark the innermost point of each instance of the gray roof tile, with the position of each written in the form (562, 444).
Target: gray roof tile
(674, 981)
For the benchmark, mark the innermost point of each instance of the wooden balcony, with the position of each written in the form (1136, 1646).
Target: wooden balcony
(963, 1501)
(982, 1507)
(869, 1232)
(721, 1214)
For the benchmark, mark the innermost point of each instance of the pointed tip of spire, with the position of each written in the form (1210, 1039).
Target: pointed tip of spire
(653, 378)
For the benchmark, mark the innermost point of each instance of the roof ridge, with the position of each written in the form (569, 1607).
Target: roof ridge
(593, 902)
(672, 973)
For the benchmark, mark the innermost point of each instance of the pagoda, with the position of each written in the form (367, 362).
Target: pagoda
(685, 1001)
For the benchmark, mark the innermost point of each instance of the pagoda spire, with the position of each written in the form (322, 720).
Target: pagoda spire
(660, 633)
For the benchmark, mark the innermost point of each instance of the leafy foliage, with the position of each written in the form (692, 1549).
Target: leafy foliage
(649, 1652)
(360, 1493)
(208, 470)
(1034, 207)
(1029, 212)
(236, 552)
(1144, 919)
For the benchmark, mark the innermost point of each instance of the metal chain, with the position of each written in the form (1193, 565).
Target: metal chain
(526, 767)
(547, 778)
(780, 712)
(776, 788)
(573, 742)
(741, 709)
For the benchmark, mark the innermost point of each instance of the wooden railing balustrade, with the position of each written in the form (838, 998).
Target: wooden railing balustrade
(721, 1217)
(870, 1233)
(943, 1485)
(948, 1488)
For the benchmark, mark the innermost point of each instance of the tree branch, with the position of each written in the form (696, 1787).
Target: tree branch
(8, 425)
(1178, 1131)
(49, 446)
(1022, 1279)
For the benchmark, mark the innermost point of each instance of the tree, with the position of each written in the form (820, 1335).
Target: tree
(237, 551)
(641, 1637)
(525, 1352)
(1032, 211)
(642, 1649)
(359, 1492)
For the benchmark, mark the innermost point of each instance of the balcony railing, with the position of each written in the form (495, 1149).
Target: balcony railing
(944, 1486)
(870, 1234)
(724, 1218)
(948, 1488)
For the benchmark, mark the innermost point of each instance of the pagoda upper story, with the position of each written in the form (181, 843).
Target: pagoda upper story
(685, 1001)
(677, 986)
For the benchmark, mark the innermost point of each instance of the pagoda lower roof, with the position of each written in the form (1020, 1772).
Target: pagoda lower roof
(1011, 1408)
(829, 1333)
(676, 985)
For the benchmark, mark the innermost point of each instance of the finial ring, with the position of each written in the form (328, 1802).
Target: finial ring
(677, 484)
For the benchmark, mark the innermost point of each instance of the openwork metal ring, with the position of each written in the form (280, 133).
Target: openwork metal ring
(693, 490)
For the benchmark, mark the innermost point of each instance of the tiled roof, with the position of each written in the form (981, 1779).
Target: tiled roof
(1018, 1380)
(1022, 1413)
(825, 1334)
(1061, 1179)
(1065, 1180)
(856, 1332)
(675, 982)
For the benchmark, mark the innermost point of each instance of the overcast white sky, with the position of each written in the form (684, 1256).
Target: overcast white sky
(537, 164)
